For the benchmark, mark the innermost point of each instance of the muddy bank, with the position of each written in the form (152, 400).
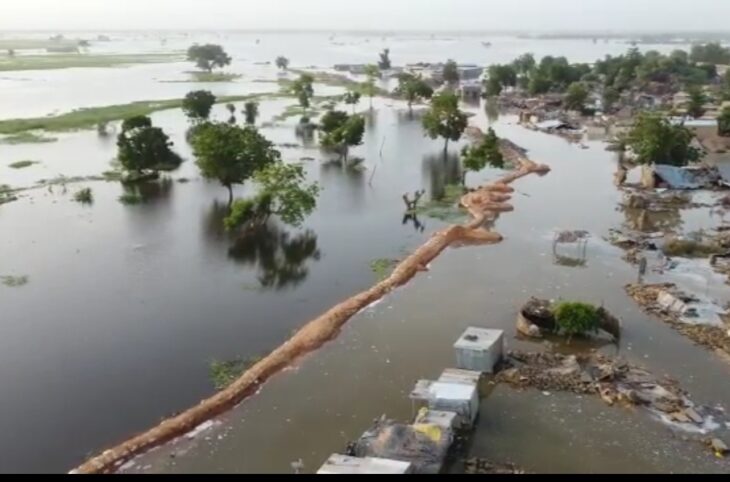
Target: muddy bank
(482, 204)
(716, 338)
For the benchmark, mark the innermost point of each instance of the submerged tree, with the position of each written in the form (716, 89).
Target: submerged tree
(198, 104)
(142, 147)
(412, 88)
(282, 63)
(655, 140)
(368, 87)
(231, 154)
(251, 112)
(445, 119)
(282, 192)
(303, 90)
(231, 108)
(352, 98)
(384, 63)
(208, 57)
(485, 153)
(341, 131)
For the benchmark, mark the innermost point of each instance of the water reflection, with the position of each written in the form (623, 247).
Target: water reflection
(150, 192)
(491, 108)
(648, 221)
(440, 171)
(412, 218)
(280, 256)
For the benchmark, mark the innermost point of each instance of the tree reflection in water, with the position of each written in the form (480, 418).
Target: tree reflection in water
(280, 256)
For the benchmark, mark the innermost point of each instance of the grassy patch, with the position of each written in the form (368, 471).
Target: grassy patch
(36, 43)
(447, 208)
(84, 196)
(131, 198)
(14, 281)
(73, 60)
(334, 80)
(382, 267)
(576, 318)
(223, 373)
(21, 164)
(27, 138)
(90, 117)
(214, 76)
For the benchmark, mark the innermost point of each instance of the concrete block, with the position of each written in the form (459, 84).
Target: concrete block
(466, 377)
(444, 420)
(460, 398)
(479, 349)
(344, 465)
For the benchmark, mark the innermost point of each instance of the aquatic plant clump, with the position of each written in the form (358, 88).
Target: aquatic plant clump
(14, 281)
(574, 318)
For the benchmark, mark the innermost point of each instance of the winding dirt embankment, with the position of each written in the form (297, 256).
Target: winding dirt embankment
(484, 204)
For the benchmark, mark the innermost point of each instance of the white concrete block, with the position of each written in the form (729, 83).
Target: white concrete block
(460, 398)
(454, 375)
(479, 349)
(444, 420)
(344, 465)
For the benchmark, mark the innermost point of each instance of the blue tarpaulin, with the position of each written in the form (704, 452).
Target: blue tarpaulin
(682, 178)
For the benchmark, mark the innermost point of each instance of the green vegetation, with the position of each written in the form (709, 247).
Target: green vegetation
(27, 138)
(445, 119)
(14, 281)
(21, 164)
(303, 90)
(368, 88)
(282, 193)
(131, 198)
(251, 112)
(208, 57)
(232, 154)
(197, 105)
(36, 44)
(697, 100)
(576, 97)
(334, 80)
(352, 98)
(382, 267)
(143, 148)
(223, 373)
(484, 153)
(67, 61)
(576, 319)
(723, 123)
(214, 77)
(84, 196)
(89, 118)
(451, 73)
(341, 131)
(413, 88)
(655, 140)
(711, 53)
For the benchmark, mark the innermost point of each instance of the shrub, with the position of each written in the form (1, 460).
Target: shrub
(573, 318)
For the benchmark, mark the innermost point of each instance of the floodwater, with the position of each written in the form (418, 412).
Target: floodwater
(126, 306)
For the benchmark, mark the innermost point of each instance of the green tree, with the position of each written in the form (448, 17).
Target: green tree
(492, 88)
(697, 100)
(303, 90)
(198, 104)
(655, 140)
(251, 112)
(412, 88)
(524, 64)
(282, 63)
(282, 192)
(485, 153)
(384, 63)
(723, 123)
(142, 147)
(352, 98)
(576, 97)
(341, 131)
(450, 73)
(231, 154)
(445, 119)
(712, 53)
(506, 75)
(610, 97)
(208, 57)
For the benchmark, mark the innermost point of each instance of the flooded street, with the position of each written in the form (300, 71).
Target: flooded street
(127, 306)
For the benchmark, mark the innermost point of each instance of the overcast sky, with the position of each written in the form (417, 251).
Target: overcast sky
(367, 15)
